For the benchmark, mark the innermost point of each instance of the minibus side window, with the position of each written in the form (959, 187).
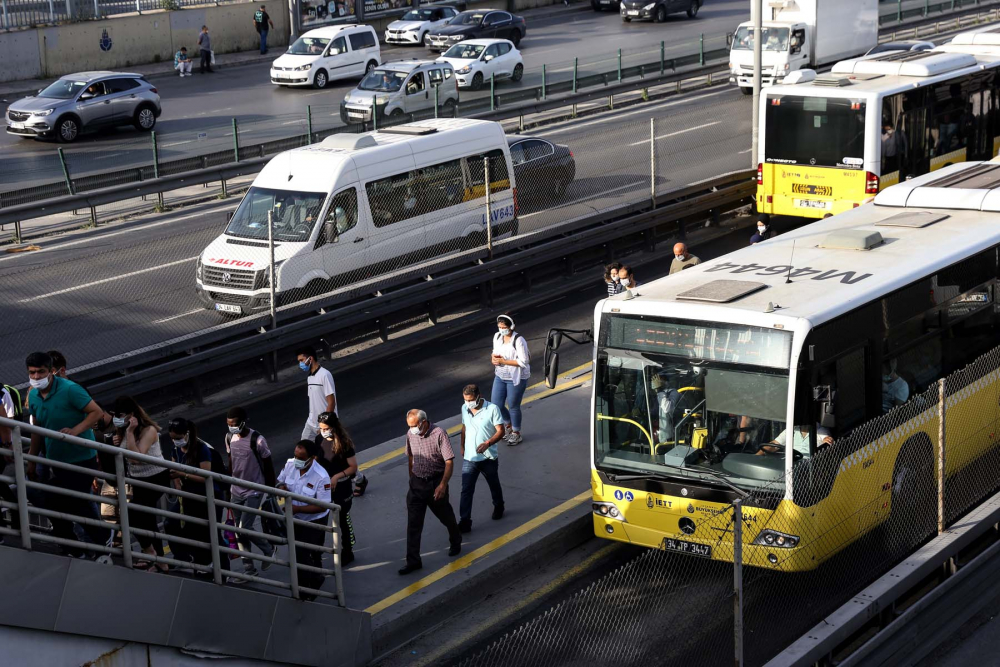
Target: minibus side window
(498, 171)
(342, 216)
(393, 199)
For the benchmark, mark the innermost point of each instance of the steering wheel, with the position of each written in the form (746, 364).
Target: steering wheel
(780, 449)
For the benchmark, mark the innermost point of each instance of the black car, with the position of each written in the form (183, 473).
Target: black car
(480, 23)
(604, 5)
(657, 10)
(542, 169)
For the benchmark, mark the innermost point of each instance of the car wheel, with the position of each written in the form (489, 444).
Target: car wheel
(661, 14)
(68, 129)
(448, 109)
(145, 119)
(693, 9)
(424, 37)
(320, 79)
(396, 116)
(370, 66)
(746, 91)
(518, 72)
(516, 38)
(626, 19)
(477, 81)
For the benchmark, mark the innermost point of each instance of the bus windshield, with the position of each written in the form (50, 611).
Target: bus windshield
(691, 399)
(293, 214)
(775, 39)
(820, 131)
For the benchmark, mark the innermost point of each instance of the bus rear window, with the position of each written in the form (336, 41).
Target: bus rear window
(820, 131)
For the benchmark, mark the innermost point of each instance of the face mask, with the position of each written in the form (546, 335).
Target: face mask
(471, 404)
(679, 258)
(505, 332)
(39, 384)
(415, 430)
(304, 366)
(626, 282)
(180, 443)
(299, 463)
(616, 279)
(760, 230)
(234, 429)
(326, 433)
(886, 378)
(119, 422)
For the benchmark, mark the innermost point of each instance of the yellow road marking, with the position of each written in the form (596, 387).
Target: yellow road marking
(455, 430)
(485, 550)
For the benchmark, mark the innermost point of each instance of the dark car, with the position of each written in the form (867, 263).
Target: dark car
(902, 45)
(542, 169)
(605, 5)
(657, 10)
(481, 23)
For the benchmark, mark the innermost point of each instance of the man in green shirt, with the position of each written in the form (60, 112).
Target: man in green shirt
(58, 404)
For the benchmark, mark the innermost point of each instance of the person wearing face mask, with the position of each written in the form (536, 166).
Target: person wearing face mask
(611, 278)
(59, 404)
(249, 460)
(512, 368)
(895, 390)
(340, 462)
(431, 461)
(482, 429)
(304, 476)
(321, 390)
(626, 278)
(764, 231)
(134, 430)
(682, 259)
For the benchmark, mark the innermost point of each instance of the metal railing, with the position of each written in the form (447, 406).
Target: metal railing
(30, 13)
(295, 549)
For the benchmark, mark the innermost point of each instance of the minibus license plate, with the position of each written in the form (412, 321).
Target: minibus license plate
(812, 203)
(691, 548)
(227, 308)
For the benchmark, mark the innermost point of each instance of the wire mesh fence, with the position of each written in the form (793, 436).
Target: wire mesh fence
(844, 516)
(29, 13)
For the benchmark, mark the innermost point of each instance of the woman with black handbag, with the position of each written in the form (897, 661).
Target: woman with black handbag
(339, 460)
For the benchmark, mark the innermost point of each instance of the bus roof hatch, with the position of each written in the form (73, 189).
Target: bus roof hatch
(722, 291)
(912, 63)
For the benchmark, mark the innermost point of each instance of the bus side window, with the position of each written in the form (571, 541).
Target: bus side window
(342, 216)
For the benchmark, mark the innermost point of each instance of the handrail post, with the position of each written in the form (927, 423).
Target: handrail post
(437, 90)
(65, 170)
(309, 123)
(738, 581)
(663, 53)
(543, 81)
(213, 529)
(493, 83)
(942, 400)
(576, 64)
(701, 50)
(293, 571)
(489, 207)
(236, 142)
(899, 11)
(336, 549)
(156, 168)
(619, 65)
(123, 509)
(22, 487)
(374, 113)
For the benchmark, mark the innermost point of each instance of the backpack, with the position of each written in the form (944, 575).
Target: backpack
(219, 466)
(266, 472)
(17, 400)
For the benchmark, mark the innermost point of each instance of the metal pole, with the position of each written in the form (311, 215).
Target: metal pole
(338, 536)
(575, 67)
(662, 57)
(52, 11)
(123, 508)
(738, 581)
(757, 7)
(156, 167)
(927, 7)
(213, 529)
(619, 65)
(22, 487)
(899, 11)
(543, 82)
(309, 122)
(493, 83)
(293, 570)
(138, 8)
(374, 113)
(437, 90)
(701, 50)
(489, 207)
(270, 243)
(97, 11)
(65, 169)
(6, 21)
(942, 399)
(236, 142)
(652, 161)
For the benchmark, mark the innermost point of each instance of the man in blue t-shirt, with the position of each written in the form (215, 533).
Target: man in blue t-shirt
(482, 429)
(62, 405)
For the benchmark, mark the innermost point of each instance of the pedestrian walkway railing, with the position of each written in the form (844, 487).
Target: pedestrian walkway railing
(298, 551)
(30, 13)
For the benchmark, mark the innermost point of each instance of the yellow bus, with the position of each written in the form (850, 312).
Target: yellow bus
(715, 383)
(828, 143)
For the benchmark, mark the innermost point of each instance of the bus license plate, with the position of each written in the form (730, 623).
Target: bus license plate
(812, 203)
(227, 308)
(690, 548)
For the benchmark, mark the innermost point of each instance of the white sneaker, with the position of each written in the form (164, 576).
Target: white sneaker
(507, 432)
(514, 439)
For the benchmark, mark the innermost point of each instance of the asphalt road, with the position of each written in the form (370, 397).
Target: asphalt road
(113, 292)
(198, 111)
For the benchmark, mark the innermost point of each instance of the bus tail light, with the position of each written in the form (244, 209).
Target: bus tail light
(760, 174)
(871, 183)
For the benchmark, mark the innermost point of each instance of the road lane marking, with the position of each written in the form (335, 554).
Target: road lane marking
(177, 317)
(674, 134)
(107, 280)
(485, 550)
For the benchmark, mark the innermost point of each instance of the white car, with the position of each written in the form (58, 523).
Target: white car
(477, 60)
(415, 24)
(322, 55)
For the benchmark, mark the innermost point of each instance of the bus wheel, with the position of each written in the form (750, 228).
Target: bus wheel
(914, 496)
(746, 91)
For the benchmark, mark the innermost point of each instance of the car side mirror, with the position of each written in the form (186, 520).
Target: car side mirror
(487, 59)
(87, 96)
(330, 232)
(729, 40)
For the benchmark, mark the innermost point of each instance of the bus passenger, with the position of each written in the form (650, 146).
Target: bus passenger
(611, 278)
(626, 278)
(895, 390)
(800, 441)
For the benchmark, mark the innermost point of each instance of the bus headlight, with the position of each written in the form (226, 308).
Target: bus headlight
(608, 511)
(773, 538)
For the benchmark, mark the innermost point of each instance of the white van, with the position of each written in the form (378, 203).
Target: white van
(357, 206)
(325, 54)
(399, 88)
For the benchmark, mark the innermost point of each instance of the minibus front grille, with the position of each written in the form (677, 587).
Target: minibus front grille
(226, 277)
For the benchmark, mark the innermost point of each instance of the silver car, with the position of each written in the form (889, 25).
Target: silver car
(86, 101)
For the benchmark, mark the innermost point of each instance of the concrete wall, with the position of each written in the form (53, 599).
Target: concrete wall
(123, 41)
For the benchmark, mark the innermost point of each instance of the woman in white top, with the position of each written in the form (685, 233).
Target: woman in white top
(134, 430)
(512, 369)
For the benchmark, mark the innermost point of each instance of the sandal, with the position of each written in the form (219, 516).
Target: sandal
(144, 565)
(359, 490)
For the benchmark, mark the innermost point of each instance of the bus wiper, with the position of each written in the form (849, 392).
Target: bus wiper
(713, 474)
(629, 478)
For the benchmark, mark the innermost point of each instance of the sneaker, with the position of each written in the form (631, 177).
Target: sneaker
(266, 565)
(455, 550)
(465, 526)
(252, 572)
(497, 512)
(514, 439)
(236, 581)
(507, 432)
(359, 490)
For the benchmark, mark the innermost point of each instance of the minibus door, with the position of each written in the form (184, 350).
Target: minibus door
(342, 241)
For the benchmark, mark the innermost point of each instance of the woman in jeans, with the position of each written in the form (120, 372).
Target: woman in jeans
(512, 369)
(134, 430)
(339, 460)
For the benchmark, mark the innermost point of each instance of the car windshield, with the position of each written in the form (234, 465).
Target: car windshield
(383, 81)
(418, 15)
(469, 18)
(820, 131)
(293, 214)
(464, 51)
(64, 89)
(308, 46)
(682, 396)
(775, 39)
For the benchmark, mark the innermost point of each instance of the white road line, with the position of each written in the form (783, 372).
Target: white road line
(301, 121)
(177, 317)
(746, 151)
(107, 280)
(178, 143)
(674, 134)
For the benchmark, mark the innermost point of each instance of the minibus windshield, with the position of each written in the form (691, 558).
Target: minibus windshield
(293, 214)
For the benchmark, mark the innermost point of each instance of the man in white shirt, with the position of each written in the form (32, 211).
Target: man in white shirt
(800, 441)
(895, 390)
(322, 391)
(304, 476)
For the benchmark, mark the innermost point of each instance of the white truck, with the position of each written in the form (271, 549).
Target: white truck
(800, 34)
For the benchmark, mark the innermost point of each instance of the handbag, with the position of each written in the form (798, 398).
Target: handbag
(212, 53)
(270, 525)
(230, 536)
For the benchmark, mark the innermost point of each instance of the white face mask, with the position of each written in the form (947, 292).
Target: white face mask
(180, 443)
(299, 463)
(626, 282)
(234, 429)
(472, 404)
(505, 332)
(415, 430)
(326, 433)
(119, 422)
(679, 258)
(616, 278)
(761, 229)
(39, 384)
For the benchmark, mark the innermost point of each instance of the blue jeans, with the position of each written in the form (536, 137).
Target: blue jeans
(263, 42)
(470, 475)
(505, 391)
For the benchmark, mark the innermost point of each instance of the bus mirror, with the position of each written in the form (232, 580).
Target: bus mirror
(551, 368)
(555, 339)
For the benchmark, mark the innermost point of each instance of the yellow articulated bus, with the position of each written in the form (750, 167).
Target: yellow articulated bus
(711, 385)
(829, 143)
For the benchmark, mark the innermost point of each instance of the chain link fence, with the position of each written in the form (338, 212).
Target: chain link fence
(30, 13)
(860, 505)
